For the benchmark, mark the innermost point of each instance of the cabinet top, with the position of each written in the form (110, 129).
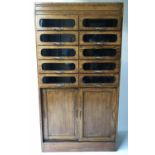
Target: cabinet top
(78, 6)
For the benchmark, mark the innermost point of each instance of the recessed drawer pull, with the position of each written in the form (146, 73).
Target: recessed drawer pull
(58, 44)
(97, 85)
(59, 57)
(97, 71)
(60, 85)
(98, 28)
(98, 57)
(62, 28)
(99, 43)
(59, 71)
(59, 29)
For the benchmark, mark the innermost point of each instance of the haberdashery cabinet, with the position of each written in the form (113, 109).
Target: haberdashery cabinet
(78, 47)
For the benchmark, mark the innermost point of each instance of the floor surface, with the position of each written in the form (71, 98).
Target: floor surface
(122, 143)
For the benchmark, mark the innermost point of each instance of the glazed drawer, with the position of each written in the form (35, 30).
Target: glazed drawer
(92, 66)
(98, 80)
(57, 38)
(100, 38)
(100, 22)
(56, 22)
(57, 52)
(58, 80)
(57, 66)
(99, 52)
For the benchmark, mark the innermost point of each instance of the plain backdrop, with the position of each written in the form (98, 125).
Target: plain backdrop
(19, 110)
(19, 116)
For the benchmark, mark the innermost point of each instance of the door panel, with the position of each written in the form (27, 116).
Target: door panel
(98, 111)
(56, 22)
(59, 114)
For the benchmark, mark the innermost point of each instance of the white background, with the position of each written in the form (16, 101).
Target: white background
(19, 113)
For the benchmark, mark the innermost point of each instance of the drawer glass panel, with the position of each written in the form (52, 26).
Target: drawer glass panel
(57, 22)
(98, 79)
(100, 22)
(58, 66)
(99, 66)
(99, 52)
(57, 79)
(57, 37)
(100, 38)
(64, 52)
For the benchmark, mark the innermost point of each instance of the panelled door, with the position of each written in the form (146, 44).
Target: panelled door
(60, 114)
(98, 111)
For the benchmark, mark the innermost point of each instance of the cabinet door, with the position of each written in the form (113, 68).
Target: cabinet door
(98, 114)
(59, 114)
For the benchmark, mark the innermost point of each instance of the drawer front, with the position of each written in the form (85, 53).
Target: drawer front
(57, 53)
(100, 38)
(98, 80)
(100, 22)
(56, 22)
(57, 38)
(58, 80)
(88, 66)
(99, 52)
(57, 66)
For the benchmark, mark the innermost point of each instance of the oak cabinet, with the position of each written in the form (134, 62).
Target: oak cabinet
(78, 48)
